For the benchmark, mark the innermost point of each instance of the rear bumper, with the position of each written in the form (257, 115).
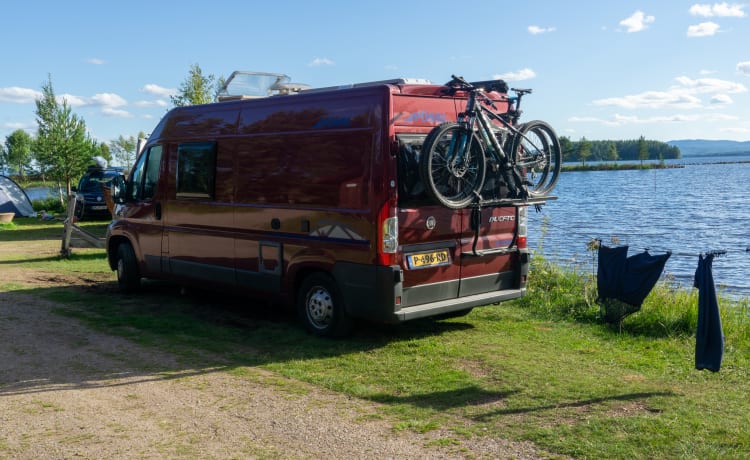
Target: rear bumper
(375, 292)
(461, 303)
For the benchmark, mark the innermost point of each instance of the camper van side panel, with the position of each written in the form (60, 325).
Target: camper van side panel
(304, 196)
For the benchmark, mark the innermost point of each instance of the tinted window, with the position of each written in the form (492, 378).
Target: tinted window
(196, 169)
(93, 182)
(143, 181)
(411, 192)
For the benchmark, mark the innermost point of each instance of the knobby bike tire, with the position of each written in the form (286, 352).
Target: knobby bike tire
(538, 156)
(450, 184)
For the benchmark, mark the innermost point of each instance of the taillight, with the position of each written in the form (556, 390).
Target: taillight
(521, 240)
(387, 233)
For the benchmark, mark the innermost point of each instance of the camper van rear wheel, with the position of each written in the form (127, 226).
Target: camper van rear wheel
(128, 276)
(321, 307)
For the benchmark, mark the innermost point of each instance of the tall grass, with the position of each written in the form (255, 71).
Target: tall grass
(560, 293)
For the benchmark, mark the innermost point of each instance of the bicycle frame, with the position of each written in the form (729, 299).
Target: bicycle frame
(524, 158)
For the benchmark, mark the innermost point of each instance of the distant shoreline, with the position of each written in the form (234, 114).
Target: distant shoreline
(618, 166)
(635, 166)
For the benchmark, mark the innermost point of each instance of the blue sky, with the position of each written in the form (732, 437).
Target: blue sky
(604, 70)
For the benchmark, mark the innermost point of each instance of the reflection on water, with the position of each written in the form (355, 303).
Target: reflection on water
(698, 208)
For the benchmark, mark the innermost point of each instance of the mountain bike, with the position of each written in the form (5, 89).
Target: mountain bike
(456, 157)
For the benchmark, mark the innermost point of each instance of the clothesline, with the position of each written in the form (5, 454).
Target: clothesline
(714, 252)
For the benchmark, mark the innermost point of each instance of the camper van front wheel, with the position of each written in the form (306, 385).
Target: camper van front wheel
(128, 277)
(321, 307)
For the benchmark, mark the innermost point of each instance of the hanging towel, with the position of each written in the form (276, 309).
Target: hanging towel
(709, 339)
(628, 279)
(624, 282)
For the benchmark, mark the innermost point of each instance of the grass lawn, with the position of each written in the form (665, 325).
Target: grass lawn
(542, 368)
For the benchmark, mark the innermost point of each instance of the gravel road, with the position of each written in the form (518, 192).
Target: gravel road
(67, 391)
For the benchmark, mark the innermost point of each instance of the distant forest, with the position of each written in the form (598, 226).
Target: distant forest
(637, 149)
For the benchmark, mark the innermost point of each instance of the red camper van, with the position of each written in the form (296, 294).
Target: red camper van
(313, 199)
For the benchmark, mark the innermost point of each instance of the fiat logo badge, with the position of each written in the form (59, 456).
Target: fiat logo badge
(430, 223)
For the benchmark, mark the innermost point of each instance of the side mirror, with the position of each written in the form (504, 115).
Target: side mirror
(118, 188)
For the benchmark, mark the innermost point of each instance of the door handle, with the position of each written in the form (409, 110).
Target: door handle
(157, 210)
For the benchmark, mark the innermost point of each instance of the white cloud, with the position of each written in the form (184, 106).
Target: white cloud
(17, 95)
(721, 99)
(95, 61)
(118, 113)
(12, 126)
(620, 120)
(108, 103)
(637, 21)
(724, 10)
(523, 74)
(744, 68)
(108, 100)
(704, 29)
(154, 103)
(72, 101)
(317, 62)
(709, 85)
(158, 91)
(536, 30)
(684, 95)
(707, 72)
(652, 100)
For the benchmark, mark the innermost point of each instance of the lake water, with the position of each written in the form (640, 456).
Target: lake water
(41, 193)
(691, 210)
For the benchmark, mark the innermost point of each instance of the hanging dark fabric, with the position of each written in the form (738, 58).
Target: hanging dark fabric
(626, 279)
(709, 338)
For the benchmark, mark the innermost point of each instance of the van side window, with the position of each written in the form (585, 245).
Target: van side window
(196, 170)
(142, 184)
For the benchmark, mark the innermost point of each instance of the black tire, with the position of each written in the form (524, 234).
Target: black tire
(128, 274)
(444, 182)
(321, 307)
(538, 156)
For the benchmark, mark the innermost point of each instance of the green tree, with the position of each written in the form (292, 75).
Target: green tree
(642, 149)
(124, 149)
(105, 152)
(584, 150)
(567, 148)
(197, 88)
(612, 152)
(63, 147)
(18, 151)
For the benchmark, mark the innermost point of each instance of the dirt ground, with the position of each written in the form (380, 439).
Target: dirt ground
(67, 391)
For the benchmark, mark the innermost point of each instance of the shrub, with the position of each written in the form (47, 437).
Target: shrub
(51, 205)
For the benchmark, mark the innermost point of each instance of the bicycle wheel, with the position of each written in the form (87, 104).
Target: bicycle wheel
(538, 156)
(448, 178)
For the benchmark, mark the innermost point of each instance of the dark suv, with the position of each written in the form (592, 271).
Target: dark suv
(90, 189)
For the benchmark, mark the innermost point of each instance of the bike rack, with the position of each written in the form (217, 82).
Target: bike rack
(476, 218)
(499, 202)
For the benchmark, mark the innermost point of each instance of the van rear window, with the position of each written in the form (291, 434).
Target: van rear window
(196, 170)
(411, 192)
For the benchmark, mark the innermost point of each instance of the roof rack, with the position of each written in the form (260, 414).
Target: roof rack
(392, 81)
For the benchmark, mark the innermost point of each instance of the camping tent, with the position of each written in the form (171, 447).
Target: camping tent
(14, 199)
